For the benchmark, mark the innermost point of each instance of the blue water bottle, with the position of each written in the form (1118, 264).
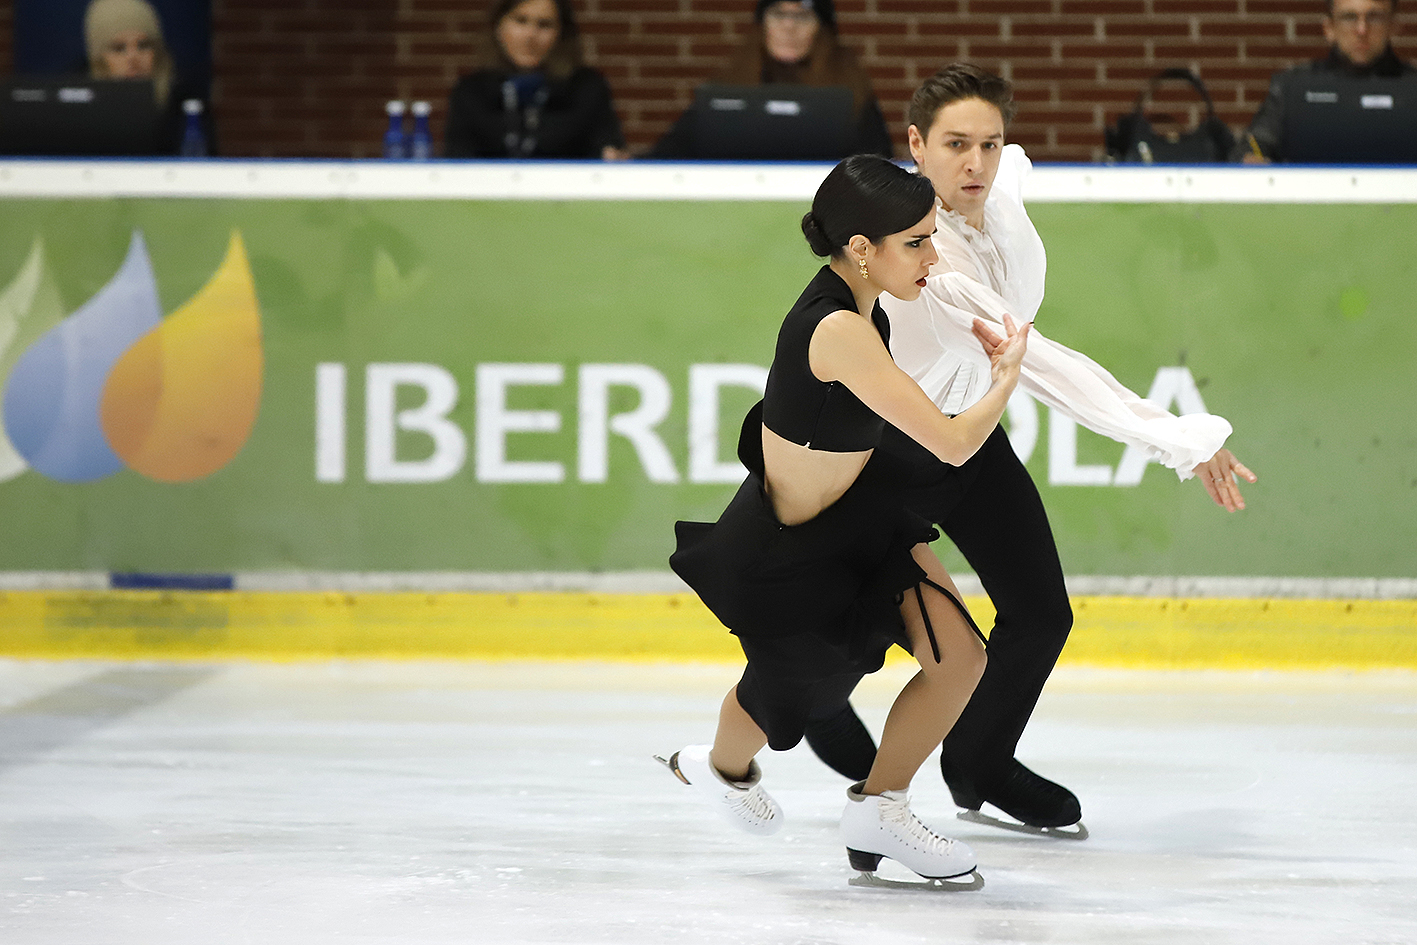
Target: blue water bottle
(420, 145)
(194, 138)
(394, 147)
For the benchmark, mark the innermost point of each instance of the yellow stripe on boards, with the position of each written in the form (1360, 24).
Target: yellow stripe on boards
(298, 625)
(1227, 633)
(1138, 632)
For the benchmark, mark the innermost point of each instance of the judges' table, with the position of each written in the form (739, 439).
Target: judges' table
(285, 368)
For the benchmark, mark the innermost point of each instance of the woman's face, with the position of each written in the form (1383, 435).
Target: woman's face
(960, 152)
(129, 55)
(528, 31)
(789, 29)
(900, 262)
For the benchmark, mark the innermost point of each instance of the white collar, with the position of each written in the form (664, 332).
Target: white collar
(962, 226)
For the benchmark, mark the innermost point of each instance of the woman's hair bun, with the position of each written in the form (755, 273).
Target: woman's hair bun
(865, 195)
(816, 236)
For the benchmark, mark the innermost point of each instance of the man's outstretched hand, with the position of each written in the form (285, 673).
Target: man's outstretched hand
(1219, 474)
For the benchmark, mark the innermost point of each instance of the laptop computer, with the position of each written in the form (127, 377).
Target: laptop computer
(773, 122)
(58, 116)
(1337, 119)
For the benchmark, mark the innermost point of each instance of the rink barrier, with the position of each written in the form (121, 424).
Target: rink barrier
(1132, 632)
(515, 459)
(256, 179)
(664, 581)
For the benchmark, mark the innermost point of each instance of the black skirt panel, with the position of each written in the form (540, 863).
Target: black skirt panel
(811, 602)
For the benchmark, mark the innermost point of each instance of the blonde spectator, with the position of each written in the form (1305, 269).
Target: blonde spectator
(124, 41)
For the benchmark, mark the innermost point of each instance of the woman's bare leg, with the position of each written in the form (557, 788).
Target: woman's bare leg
(737, 740)
(928, 706)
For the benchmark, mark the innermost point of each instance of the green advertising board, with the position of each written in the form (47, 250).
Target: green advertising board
(544, 384)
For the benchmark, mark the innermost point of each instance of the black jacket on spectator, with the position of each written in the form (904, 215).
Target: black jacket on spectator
(488, 117)
(1267, 127)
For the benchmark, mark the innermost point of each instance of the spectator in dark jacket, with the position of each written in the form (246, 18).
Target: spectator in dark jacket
(1359, 33)
(535, 99)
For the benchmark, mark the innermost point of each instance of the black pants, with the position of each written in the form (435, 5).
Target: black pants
(990, 508)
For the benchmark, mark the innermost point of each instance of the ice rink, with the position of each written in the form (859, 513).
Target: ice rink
(517, 803)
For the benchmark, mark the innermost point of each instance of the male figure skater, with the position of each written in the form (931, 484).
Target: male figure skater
(992, 263)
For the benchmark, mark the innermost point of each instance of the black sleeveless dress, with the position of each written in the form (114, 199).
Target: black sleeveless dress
(813, 605)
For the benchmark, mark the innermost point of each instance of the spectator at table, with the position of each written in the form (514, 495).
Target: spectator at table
(124, 40)
(794, 43)
(1359, 33)
(535, 99)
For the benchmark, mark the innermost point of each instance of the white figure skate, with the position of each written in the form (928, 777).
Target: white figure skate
(877, 826)
(744, 804)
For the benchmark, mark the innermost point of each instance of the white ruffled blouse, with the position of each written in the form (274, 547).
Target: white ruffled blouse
(983, 274)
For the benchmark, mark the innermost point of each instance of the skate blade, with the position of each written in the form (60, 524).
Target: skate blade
(965, 882)
(672, 763)
(1077, 831)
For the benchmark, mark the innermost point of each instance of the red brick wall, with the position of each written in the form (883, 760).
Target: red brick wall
(309, 77)
(7, 62)
(302, 78)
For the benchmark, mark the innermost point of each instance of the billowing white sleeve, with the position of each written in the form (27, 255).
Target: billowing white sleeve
(1080, 388)
(933, 341)
(1071, 382)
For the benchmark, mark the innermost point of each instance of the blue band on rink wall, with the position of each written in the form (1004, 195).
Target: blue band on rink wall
(141, 581)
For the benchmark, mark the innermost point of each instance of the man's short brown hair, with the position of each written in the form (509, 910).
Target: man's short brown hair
(956, 82)
(1328, 7)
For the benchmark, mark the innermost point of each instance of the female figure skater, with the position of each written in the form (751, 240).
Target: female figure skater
(992, 265)
(815, 565)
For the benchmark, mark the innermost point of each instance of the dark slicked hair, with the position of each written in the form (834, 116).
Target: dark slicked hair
(954, 83)
(865, 195)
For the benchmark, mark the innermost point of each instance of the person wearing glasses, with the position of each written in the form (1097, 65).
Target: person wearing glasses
(1359, 33)
(794, 42)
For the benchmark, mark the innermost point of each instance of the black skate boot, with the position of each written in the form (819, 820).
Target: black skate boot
(962, 790)
(1025, 796)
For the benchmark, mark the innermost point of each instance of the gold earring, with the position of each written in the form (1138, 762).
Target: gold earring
(864, 273)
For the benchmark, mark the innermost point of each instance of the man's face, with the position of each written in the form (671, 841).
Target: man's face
(960, 153)
(1360, 29)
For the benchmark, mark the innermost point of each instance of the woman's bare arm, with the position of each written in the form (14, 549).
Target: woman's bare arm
(847, 348)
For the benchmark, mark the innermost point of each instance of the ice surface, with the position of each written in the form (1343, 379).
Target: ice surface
(517, 803)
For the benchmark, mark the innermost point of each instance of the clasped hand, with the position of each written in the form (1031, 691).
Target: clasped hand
(1005, 352)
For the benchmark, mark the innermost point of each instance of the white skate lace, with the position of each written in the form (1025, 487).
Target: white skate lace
(754, 804)
(897, 811)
